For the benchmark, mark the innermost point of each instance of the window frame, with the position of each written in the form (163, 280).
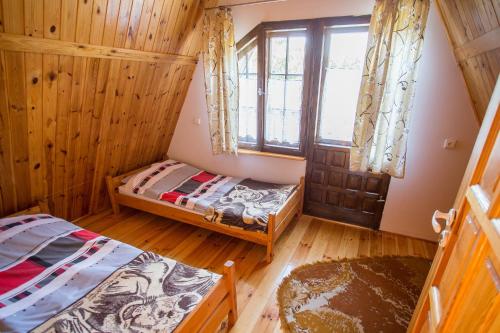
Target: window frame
(315, 33)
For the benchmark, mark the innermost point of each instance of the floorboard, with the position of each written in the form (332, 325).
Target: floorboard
(306, 240)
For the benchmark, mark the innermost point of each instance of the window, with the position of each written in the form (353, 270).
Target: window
(247, 67)
(273, 76)
(280, 64)
(342, 68)
(285, 81)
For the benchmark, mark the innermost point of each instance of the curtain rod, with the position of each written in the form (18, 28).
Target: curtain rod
(256, 2)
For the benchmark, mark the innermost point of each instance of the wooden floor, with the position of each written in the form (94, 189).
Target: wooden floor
(306, 240)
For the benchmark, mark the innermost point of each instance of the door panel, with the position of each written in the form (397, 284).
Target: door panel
(472, 309)
(459, 260)
(333, 192)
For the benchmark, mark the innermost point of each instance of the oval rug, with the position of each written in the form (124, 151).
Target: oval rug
(373, 294)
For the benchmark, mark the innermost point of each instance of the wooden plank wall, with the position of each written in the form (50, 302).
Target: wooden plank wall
(66, 121)
(474, 30)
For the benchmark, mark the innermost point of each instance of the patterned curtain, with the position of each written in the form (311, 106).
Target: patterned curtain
(387, 88)
(221, 80)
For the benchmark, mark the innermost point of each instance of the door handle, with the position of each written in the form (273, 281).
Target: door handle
(444, 232)
(449, 218)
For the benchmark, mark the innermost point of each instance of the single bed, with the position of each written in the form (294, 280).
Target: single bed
(255, 211)
(58, 277)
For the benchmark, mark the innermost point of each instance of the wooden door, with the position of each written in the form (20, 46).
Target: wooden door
(462, 291)
(334, 192)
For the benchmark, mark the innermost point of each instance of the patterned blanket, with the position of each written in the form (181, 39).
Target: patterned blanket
(57, 277)
(235, 202)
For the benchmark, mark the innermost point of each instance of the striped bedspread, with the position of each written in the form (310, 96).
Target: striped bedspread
(57, 277)
(235, 202)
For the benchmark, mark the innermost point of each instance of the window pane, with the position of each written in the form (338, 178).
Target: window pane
(252, 60)
(284, 91)
(296, 48)
(274, 109)
(343, 71)
(276, 92)
(277, 54)
(247, 67)
(294, 93)
(242, 64)
(291, 134)
(248, 109)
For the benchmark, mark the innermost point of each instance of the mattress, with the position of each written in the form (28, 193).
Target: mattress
(58, 277)
(125, 191)
(235, 202)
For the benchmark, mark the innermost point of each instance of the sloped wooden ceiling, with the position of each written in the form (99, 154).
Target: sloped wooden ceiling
(474, 30)
(88, 88)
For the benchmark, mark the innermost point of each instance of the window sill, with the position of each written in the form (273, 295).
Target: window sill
(267, 154)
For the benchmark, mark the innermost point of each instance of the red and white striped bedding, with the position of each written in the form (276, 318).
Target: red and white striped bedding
(57, 277)
(234, 202)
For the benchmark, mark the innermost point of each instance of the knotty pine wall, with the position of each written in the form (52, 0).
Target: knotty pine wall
(72, 112)
(474, 30)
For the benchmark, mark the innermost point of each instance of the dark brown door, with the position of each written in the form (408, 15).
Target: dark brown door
(333, 192)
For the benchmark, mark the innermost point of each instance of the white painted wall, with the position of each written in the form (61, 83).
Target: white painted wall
(442, 109)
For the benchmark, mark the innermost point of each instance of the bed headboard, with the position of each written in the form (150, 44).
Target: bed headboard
(42, 207)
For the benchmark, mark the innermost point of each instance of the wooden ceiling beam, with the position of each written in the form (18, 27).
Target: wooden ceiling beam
(20, 43)
(487, 42)
(474, 31)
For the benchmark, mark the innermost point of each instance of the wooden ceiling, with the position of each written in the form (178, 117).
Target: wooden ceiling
(474, 30)
(88, 88)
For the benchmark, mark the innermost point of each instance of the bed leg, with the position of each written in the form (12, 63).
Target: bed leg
(270, 237)
(269, 253)
(112, 198)
(302, 185)
(230, 275)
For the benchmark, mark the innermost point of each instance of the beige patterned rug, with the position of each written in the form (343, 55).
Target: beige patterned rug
(354, 295)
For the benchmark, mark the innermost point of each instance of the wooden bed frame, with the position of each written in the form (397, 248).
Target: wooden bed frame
(207, 316)
(278, 221)
(41, 208)
(220, 302)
